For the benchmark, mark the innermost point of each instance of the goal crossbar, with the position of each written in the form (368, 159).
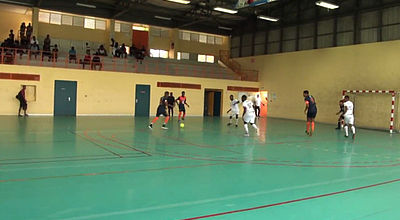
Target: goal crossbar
(389, 92)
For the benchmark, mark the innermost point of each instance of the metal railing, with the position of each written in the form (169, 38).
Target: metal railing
(16, 56)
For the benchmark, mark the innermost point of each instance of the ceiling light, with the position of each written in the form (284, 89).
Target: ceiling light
(185, 2)
(268, 18)
(85, 5)
(225, 10)
(163, 18)
(327, 5)
(225, 28)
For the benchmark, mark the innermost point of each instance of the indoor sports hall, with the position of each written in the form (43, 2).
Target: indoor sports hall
(220, 109)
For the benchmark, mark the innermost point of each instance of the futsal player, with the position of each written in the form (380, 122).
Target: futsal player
(181, 101)
(310, 111)
(249, 116)
(349, 117)
(234, 110)
(171, 104)
(162, 110)
(340, 113)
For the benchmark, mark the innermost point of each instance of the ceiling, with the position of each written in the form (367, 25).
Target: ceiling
(199, 16)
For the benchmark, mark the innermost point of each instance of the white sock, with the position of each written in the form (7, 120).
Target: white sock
(353, 129)
(254, 126)
(346, 130)
(246, 128)
(237, 121)
(230, 120)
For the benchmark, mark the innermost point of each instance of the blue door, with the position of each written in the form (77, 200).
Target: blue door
(142, 106)
(65, 98)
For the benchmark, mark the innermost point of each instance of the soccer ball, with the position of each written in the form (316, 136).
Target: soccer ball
(182, 125)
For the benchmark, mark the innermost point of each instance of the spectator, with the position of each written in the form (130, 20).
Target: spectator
(18, 48)
(46, 47)
(122, 51)
(22, 30)
(11, 35)
(86, 60)
(72, 54)
(22, 101)
(102, 51)
(54, 53)
(29, 31)
(35, 50)
(132, 50)
(141, 54)
(112, 46)
(33, 40)
(96, 62)
(87, 48)
(116, 50)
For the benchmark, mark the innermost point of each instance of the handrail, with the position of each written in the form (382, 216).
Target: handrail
(245, 74)
(20, 56)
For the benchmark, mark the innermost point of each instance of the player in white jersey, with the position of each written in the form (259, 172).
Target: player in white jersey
(249, 116)
(234, 110)
(349, 116)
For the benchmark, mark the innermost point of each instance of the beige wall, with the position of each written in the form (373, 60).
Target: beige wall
(105, 92)
(326, 72)
(9, 20)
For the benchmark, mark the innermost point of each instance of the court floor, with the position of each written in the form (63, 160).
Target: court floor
(116, 168)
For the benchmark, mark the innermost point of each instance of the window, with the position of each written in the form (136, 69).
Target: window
(205, 58)
(89, 23)
(182, 56)
(44, 17)
(210, 39)
(66, 20)
(78, 21)
(158, 53)
(203, 38)
(194, 37)
(218, 40)
(156, 32)
(201, 58)
(55, 19)
(125, 28)
(185, 35)
(209, 59)
(100, 24)
(117, 27)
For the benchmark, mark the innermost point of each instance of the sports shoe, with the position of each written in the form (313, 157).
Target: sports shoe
(246, 135)
(229, 124)
(354, 136)
(151, 126)
(236, 125)
(346, 136)
(164, 127)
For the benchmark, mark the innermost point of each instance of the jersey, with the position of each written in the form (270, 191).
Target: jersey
(312, 106)
(171, 100)
(181, 100)
(349, 105)
(258, 102)
(235, 106)
(249, 107)
(163, 101)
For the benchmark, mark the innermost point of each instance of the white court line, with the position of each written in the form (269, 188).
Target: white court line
(174, 205)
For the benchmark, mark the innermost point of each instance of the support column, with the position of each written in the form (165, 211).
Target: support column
(35, 21)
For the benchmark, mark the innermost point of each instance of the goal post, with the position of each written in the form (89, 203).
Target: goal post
(384, 92)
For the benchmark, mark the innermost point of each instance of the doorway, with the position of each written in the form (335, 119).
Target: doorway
(212, 102)
(142, 100)
(65, 98)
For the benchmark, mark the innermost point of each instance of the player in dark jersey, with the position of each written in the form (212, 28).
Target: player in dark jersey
(311, 111)
(181, 101)
(340, 113)
(162, 110)
(171, 104)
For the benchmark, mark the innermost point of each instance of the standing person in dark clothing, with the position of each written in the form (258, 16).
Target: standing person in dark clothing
(162, 110)
(171, 104)
(310, 111)
(340, 113)
(29, 31)
(22, 101)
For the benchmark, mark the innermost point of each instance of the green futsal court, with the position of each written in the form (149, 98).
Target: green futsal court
(116, 168)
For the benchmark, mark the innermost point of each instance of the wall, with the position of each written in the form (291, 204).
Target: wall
(326, 72)
(105, 92)
(12, 20)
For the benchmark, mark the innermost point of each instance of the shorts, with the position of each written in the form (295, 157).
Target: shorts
(249, 118)
(182, 108)
(234, 113)
(311, 114)
(349, 119)
(161, 111)
(23, 104)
